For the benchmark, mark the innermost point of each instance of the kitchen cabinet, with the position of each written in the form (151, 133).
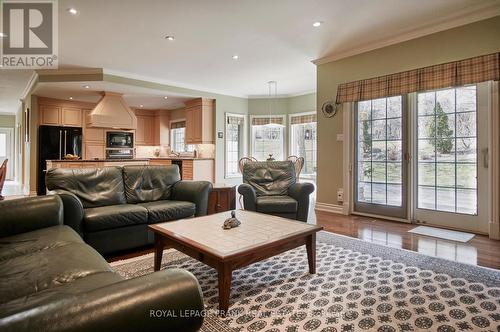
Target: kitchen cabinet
(160, 162)
(94, 151)
(200, 121)
(151, 127)
(53, 115)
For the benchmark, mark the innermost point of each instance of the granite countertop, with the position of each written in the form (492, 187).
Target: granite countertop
(122, 160)
(96, 160)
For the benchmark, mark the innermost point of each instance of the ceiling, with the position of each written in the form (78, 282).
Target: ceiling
(134, 96)
(275, 40)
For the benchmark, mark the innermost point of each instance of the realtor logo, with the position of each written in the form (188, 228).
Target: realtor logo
(29, 34)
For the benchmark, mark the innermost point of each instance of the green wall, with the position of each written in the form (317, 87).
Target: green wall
(458, 43)
(7, 121)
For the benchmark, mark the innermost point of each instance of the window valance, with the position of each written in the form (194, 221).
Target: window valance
(235, 120)
(307, 118)
(178, 124)
(469, 71)
(260, 121)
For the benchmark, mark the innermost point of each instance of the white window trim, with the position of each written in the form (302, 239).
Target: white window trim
(285, 132)
(245, 141)
(290, 139)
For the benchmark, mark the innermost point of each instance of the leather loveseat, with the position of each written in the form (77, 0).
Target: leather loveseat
(111, 207)
(270, 187)
(50, 280)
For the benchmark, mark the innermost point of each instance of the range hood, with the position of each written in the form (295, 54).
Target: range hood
(112, 112)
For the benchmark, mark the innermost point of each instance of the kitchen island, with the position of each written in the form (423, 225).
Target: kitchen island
(190, 168)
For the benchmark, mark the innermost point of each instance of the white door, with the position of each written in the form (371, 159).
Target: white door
(7, 150)
(450, 158)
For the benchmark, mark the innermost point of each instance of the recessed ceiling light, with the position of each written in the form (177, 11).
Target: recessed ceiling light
(86, 86)
(171, 38)
(70, 98)
(317, 24)
(141, 106)
(73, 11)
(166, 97)
(2, 35)
(235, 57)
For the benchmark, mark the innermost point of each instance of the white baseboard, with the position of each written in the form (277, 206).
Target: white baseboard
(332, 208)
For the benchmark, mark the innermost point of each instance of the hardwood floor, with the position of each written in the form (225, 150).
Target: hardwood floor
(480, 250)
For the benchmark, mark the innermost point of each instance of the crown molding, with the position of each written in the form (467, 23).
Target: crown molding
(30, 86)
(464, 17)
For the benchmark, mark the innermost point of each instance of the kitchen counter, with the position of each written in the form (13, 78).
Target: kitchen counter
(179, 158)
(96, 160)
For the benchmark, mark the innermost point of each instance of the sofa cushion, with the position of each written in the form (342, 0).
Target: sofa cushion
(114, 216)
(269, 177)
(276, 204)
(161, 211)
(147, 184)
(93, 186)
(51, 267)
(30, 242)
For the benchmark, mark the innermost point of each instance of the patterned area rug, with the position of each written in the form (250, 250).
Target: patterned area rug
(359, 286)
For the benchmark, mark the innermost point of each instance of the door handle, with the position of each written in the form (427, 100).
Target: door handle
(486, 157)
(60, 144)
(65, 135)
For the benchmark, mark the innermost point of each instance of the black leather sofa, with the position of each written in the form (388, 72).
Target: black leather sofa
(111, 207)
(270, 187)
(50, 280)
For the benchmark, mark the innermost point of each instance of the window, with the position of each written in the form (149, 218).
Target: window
(177, 137)
(235, 142)
(447, 150)
(268, 139)
(303, 140)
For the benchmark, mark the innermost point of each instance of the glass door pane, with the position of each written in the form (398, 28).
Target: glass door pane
(380, 186)
(449, 177)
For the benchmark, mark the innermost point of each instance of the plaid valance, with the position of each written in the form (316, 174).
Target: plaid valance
(235, 120)
(298, 119)
(260, 121)
(178, 124)
(469, 71)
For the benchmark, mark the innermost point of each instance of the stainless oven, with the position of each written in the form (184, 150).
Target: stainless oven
(119, 153)
(119, 140)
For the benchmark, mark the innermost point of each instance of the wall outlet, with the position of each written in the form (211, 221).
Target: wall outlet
(340, 195)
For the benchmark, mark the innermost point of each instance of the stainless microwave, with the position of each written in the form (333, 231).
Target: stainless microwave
(119, 140)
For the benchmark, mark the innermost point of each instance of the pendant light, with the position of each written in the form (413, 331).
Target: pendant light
(273, 92)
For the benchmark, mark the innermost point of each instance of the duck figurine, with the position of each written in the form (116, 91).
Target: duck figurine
(231, 222)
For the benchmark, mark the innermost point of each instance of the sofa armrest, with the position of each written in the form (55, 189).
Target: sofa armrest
(249, 196)
(73, 209)
(169, 300)
(193, 191)
(29, 214)
(300, 192)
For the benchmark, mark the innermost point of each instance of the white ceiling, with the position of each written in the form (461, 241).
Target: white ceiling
(275, 39)
(133, 96)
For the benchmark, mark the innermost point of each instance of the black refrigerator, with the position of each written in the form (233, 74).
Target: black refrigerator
(55, 143)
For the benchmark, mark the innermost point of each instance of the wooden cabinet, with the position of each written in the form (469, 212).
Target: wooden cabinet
(94, 135)
(200, 121)
(152, 127)
(222, 198)
(71, 117)
(94, 151)
(160, 162)
(52, 115)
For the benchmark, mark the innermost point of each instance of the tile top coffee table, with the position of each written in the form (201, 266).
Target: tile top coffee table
(259, 236)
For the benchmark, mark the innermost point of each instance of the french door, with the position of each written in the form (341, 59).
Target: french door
(444, 134)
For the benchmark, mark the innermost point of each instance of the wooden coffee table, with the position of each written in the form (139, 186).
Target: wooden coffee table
(259, 236)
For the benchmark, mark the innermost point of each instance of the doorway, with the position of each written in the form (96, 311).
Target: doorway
(424, 157)
(7, 150)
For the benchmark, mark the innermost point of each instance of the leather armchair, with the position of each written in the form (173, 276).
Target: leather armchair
(271, 187)
(52, 281)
